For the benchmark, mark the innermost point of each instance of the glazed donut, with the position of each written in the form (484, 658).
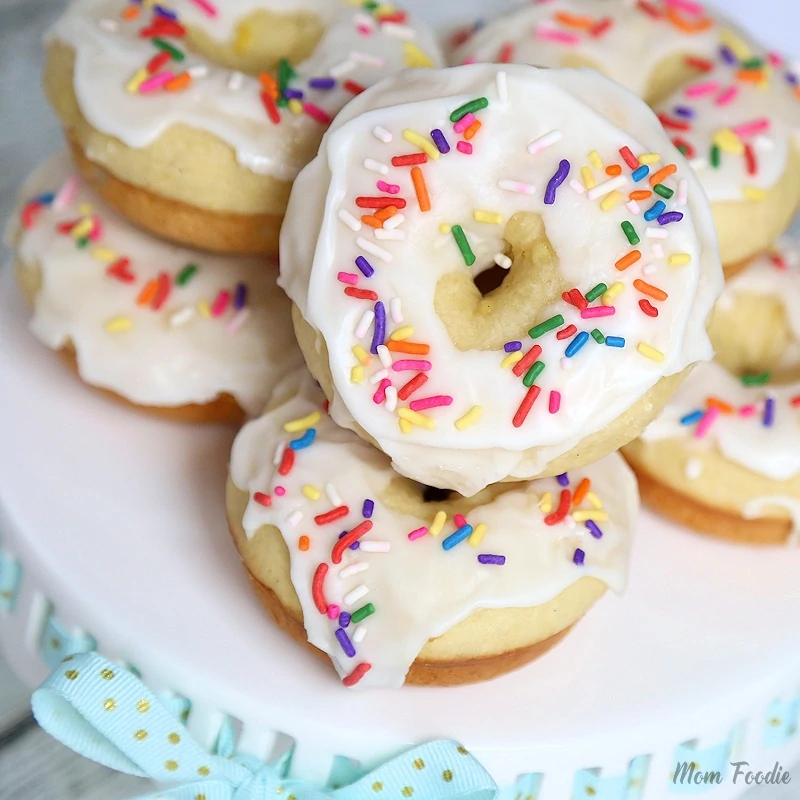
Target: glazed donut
(756, 323)
(180, 333)
(724, 458)
(424, 587)
(391, 231)
(731, 106)
(193, 117)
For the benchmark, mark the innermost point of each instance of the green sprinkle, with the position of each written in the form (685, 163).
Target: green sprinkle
(463, 245)
(533, 373)
(285, 74)
(362, 613)
(601, 288)
(468, 108)
(598, 337)
(162, 44)
(186, 274)
(753, 63)
(664, 191)
(715, 159)
(82, 242)
(545, 327)
(756, 380)
(371, 5)
(683, 149)
(630, 232)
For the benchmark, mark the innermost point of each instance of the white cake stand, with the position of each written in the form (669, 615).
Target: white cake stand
(117, 522)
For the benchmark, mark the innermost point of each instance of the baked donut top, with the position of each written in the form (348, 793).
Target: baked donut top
(128, 89)
(416, 569)
(426, 182)
(735, 110)
(157, 324)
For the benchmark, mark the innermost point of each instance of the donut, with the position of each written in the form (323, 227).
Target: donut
(724, 458)
(180, 333)
(397, 582)
(504, 175)
(756, 323)
(192, 117)
(730, 105)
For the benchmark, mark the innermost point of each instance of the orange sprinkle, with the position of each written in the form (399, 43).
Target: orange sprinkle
(408, 347)
(663, 174)
(147, 293)
(472, 130)
(629, 259)
(687, 26)
(640, 194)
(573, 21)
(304, 543)
(581, 491)
(372, 221)
(751, 75)
(385, 213)
(650, 290)
(613, 170)
(715, 402)
(131, 12)
(269, 84)
(420, 187)
(797, 92)
(178, 83)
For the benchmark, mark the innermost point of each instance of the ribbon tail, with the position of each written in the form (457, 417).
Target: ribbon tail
(210, 790)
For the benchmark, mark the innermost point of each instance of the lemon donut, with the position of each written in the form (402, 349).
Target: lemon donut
(179, 333)
(189, 117)
(729, 104)
(724, 458)
(427, 192)
(439, 590)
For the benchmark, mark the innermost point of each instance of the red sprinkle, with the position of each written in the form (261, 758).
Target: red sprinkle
(648, 308)
(317, 593)
(65, 227)
(686, 147)
(357, 674)
(649, 9)
(352, 536)
(270, 107)
(600, 27)
(162, 292)
(566, 333)
(577, 299)
(629, 158)
(526, 405)
(30, 212)
(704, 65)
(332, 515)
(409, 388)
(353, 87)
(561, 511)
(795, 401)
(506, 54)
(119, 270)
(674, 124)
(380, 202)
(361, 294)
(287, 462)
(157, 61)
(525, 363)
(750, 159)
(409, 160)
(262, 499)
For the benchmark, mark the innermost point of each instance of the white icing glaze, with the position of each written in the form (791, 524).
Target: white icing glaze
(169, 357)
(630, 50)
(418, 589)
(107, 59)
(758, 506)
(316, 245)
(772, 451)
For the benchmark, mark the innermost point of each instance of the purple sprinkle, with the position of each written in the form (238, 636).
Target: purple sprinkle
(322, 83)
(379, 330)
(563, 479)
(365, 267)
(684, 111)
(727, 55)
(792, 78)
(292, 94)
(488, 558)
(367, 509)
(556, 181)
(344, 641)
(577, 559)
(344, 619)
(769, 412)
(593, 529)
(440, 141)
(240, 296)
(165, 12)
(353, 546)
(512, 347)
(670, 216)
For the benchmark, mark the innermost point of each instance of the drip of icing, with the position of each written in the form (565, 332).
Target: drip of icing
(419, 590)
(758, 506)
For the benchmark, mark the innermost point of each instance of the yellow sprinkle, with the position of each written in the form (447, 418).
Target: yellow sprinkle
(119, 324)
(729, 142)
(424, 144)
(401, 333)
(104, 254)
(311, 492)
(649, 158)
(415, 418)
(753, 193)
(470, 418)
(136, 81)
(546, 503)
(595, 160)
(303, 424)
(444, 228)
(612, 293)
(85, 208)
(650, 352)
(295, 106)
(204, 309)
(740, 49)
(588, 178)
(362, 355)
(244, 38)
(83, 228)
(437, 525)
(511, 359)
(357, 374)
(414, 57)
(679, 259)
(594, 500)
(610, 200)
(489, 217)
(405, 426)
(477, 535)
(585, 516)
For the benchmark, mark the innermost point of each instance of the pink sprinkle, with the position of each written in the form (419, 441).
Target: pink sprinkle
(333, 611)
(751, 128)
(776, 59)
(364, 30)
(747, 411)
(380, 394)
(464, 123)
(430, 402)
(464, 147)
(702, 89)
(727, 96)
(598, 311)
(207, 7)
(348, 277)
(97, 228)
(555, 402)
(221, 303)
(66, 194)
(459, 520)
(470, 60)
(280, 491)
(155, 81)
(706, 422)
(417, 534)
(315, 112)
(391, 188)
(546, 32)
(686, 5)
(411, 363)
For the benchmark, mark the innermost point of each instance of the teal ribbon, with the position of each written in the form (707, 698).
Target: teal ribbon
(106, 714)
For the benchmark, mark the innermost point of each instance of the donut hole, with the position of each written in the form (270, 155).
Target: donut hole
(432, 494)
(490, 279)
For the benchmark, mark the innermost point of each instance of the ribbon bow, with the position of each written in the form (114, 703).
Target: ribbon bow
(103, 712)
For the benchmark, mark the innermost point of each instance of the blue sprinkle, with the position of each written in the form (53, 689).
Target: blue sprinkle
(512, 347)
(367, 509)
(563, 480)
(615, 341)
(656, 210)
(690, 419)
(365, 267)
(306, 440)
(240, 296)
(456, 538)
(322, 83)
(576, 344)
(578, 558)
(46, 198)
(344, 619)
(593, 529)
(640, 173)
